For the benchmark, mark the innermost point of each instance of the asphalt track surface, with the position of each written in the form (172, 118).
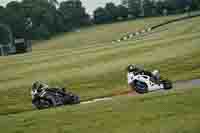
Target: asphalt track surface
(187, 84)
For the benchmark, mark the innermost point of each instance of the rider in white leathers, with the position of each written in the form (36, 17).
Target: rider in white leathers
(134, 70)
(143, 81)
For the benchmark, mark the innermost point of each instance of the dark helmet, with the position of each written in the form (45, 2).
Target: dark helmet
(131, 68)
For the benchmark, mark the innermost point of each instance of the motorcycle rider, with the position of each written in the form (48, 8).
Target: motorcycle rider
(39, 86)
(135, 70)
(130, 74)
(132, 70)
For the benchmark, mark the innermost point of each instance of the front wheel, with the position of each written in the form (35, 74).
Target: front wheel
(141, 87)
(42, 103)
(167, 84)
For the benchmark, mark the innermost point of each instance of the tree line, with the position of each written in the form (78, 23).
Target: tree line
(132, 9)
(47, 18)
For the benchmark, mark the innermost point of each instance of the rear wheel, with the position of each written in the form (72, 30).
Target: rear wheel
(76, 99)
(71, 99)
(141, 87)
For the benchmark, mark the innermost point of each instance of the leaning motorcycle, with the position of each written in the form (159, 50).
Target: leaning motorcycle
(143, 83)
(52, 97)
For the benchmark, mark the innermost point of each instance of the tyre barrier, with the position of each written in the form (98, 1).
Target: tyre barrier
(149, 29)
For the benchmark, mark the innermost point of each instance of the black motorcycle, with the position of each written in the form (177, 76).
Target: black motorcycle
(44, 97)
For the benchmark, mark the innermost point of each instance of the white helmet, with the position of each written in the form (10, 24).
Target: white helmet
(155, 73)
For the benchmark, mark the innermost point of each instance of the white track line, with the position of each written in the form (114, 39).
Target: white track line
(97, 100)
(177, 85)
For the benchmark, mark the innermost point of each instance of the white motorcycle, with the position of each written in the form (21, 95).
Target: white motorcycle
(143, 83)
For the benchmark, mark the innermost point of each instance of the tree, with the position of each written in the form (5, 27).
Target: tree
(59, 23)
(101, 16)
(148, 7)
(44, 16)
(74, 14)
(2, 14)
(177, 6)
(41, 32)
(41, 12)
(123, 11)
(14, 16)
(134, 7)
(112, 11)
(4, 34)
(53, 2)
(195, 4)
(160, 6)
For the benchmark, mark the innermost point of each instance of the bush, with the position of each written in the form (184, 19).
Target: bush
(41, 32)
(4, 34)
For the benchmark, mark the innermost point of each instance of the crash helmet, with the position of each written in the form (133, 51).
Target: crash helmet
(131, 68)
(37, 85)
(155, 73)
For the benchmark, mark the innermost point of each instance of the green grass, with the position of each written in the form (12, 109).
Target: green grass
(92, 66)
(168, 112)
(99, 69)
